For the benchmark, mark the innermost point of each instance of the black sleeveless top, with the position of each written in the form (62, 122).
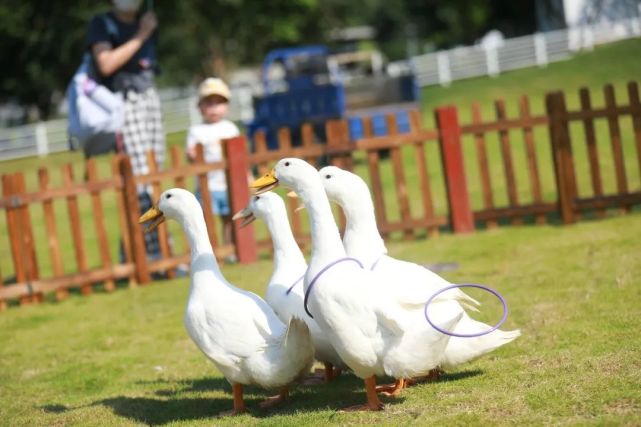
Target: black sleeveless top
(137, 74)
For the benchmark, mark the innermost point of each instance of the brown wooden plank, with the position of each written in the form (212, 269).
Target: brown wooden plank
(163, 232)
(484, 168)
(205, 197)
(121, 203)
(14, 231)
(52, 232)
(633, 95)
(99, 224)
(603, 202)
(532, 163)
(374, 143)
(307, 137)
(515, 212)
(191, 169)
(68, 281)
(75, 225)
(284, 141)
(600, 113)
(423, 174)
(562, 155)
(375, 178)
(593, 152)
(260, 141)
(29, 245)
(333, 142)
(504, 125)
(386, 141)
(343, 132)
(58, 193)
(399, 176)
(20, 250)
(332, 130)
(308, 143)
(415, 224)
(508, 165)
(179, 182)
(615, 139)
(135, 230)
(50, 225)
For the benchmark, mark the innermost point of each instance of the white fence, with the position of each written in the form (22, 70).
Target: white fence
(443, 67)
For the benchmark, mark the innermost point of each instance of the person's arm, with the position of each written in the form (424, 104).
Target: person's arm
(190, 146)
(109, 60)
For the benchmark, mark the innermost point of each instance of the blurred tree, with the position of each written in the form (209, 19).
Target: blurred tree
(41, 41)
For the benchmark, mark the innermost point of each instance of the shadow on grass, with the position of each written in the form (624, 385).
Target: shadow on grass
(173, 402)
(460, 375)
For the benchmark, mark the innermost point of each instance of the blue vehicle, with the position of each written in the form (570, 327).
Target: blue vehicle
(308, 85)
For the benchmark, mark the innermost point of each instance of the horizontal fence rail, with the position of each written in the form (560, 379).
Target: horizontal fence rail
(478, 167)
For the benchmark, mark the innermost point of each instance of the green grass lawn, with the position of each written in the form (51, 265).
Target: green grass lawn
(125, 359)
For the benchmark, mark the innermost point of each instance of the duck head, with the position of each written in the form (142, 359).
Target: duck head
(175, 204)
(290, 172)
(261, 206)
(342, 186)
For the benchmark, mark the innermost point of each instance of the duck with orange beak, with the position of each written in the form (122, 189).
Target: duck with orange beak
(285, 288)
(374, 330)
(253, 348)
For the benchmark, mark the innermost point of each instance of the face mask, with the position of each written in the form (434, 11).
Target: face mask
(127, 5)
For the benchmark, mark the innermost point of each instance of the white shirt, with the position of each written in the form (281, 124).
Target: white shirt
(210, 134)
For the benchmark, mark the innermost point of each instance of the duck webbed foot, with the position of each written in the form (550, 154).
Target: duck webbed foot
(239, 402)
(433, 376)
(373, 403)
(275, 400)
(323, 376)
(392, 390)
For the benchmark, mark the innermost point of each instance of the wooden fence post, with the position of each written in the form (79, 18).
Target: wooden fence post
(561, 154)
(9, 189)
(238, 187)
(452, 157)
(132, 207)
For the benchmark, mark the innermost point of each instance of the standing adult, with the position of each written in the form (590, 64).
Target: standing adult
(123, 46)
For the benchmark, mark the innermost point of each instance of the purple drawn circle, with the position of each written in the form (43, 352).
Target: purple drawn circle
(468, 285)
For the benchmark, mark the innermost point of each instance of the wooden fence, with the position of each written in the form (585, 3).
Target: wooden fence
(420, 182)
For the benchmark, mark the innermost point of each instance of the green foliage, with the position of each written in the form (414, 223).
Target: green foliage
(42, 42)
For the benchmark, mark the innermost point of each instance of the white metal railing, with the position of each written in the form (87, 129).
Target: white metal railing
(443, 67)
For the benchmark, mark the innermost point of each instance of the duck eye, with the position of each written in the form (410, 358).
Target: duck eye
(328, 176)
(257, 198)
(168, 196)
(286, 163)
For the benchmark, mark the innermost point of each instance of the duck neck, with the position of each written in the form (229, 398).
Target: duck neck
(286, 250)
(326, 240)
(362, 239)
(202, 254)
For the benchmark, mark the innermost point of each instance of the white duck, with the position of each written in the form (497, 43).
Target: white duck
(285, 289)
(234, 328)
(363, 241)
(375, 330)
